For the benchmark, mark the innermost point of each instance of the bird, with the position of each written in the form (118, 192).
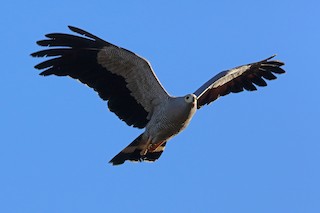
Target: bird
(134, 93)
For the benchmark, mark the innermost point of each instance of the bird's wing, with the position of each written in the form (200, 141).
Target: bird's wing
(237, 79)
(121, 77)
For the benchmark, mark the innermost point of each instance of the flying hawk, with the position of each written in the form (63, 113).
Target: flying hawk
(133, 91)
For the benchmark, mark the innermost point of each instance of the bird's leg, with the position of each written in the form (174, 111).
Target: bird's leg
(145, 148)
(153, 147)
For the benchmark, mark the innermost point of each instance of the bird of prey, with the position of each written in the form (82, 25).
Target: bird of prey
(134, 93)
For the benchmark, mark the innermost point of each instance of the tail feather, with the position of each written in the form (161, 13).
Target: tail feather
(133, 153)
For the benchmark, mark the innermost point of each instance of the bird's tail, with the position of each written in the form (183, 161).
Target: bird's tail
(133, 152)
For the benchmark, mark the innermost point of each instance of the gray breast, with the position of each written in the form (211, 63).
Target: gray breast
(170, 119)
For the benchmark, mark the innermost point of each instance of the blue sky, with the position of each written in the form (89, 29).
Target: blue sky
(248, 152)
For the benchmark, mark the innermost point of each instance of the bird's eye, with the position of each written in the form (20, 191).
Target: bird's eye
(188, 99)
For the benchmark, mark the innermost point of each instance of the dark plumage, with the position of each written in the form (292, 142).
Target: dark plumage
(251, 75)
(78, 59)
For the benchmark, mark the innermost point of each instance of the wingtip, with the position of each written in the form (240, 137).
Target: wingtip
(72, 28)
(271, 57)
(84, 33)
(276, 62)
(78, 30)
(114, 163)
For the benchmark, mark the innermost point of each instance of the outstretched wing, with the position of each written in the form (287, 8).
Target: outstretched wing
(120, 77)
(238, 79)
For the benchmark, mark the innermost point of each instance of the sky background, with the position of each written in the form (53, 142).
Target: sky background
(247, 152)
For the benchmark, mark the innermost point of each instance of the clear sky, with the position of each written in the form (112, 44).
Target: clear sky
(252, 152)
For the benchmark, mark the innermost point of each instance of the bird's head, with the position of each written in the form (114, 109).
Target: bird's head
(190, 99)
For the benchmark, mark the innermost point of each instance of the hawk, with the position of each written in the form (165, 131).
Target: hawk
(134, 93)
